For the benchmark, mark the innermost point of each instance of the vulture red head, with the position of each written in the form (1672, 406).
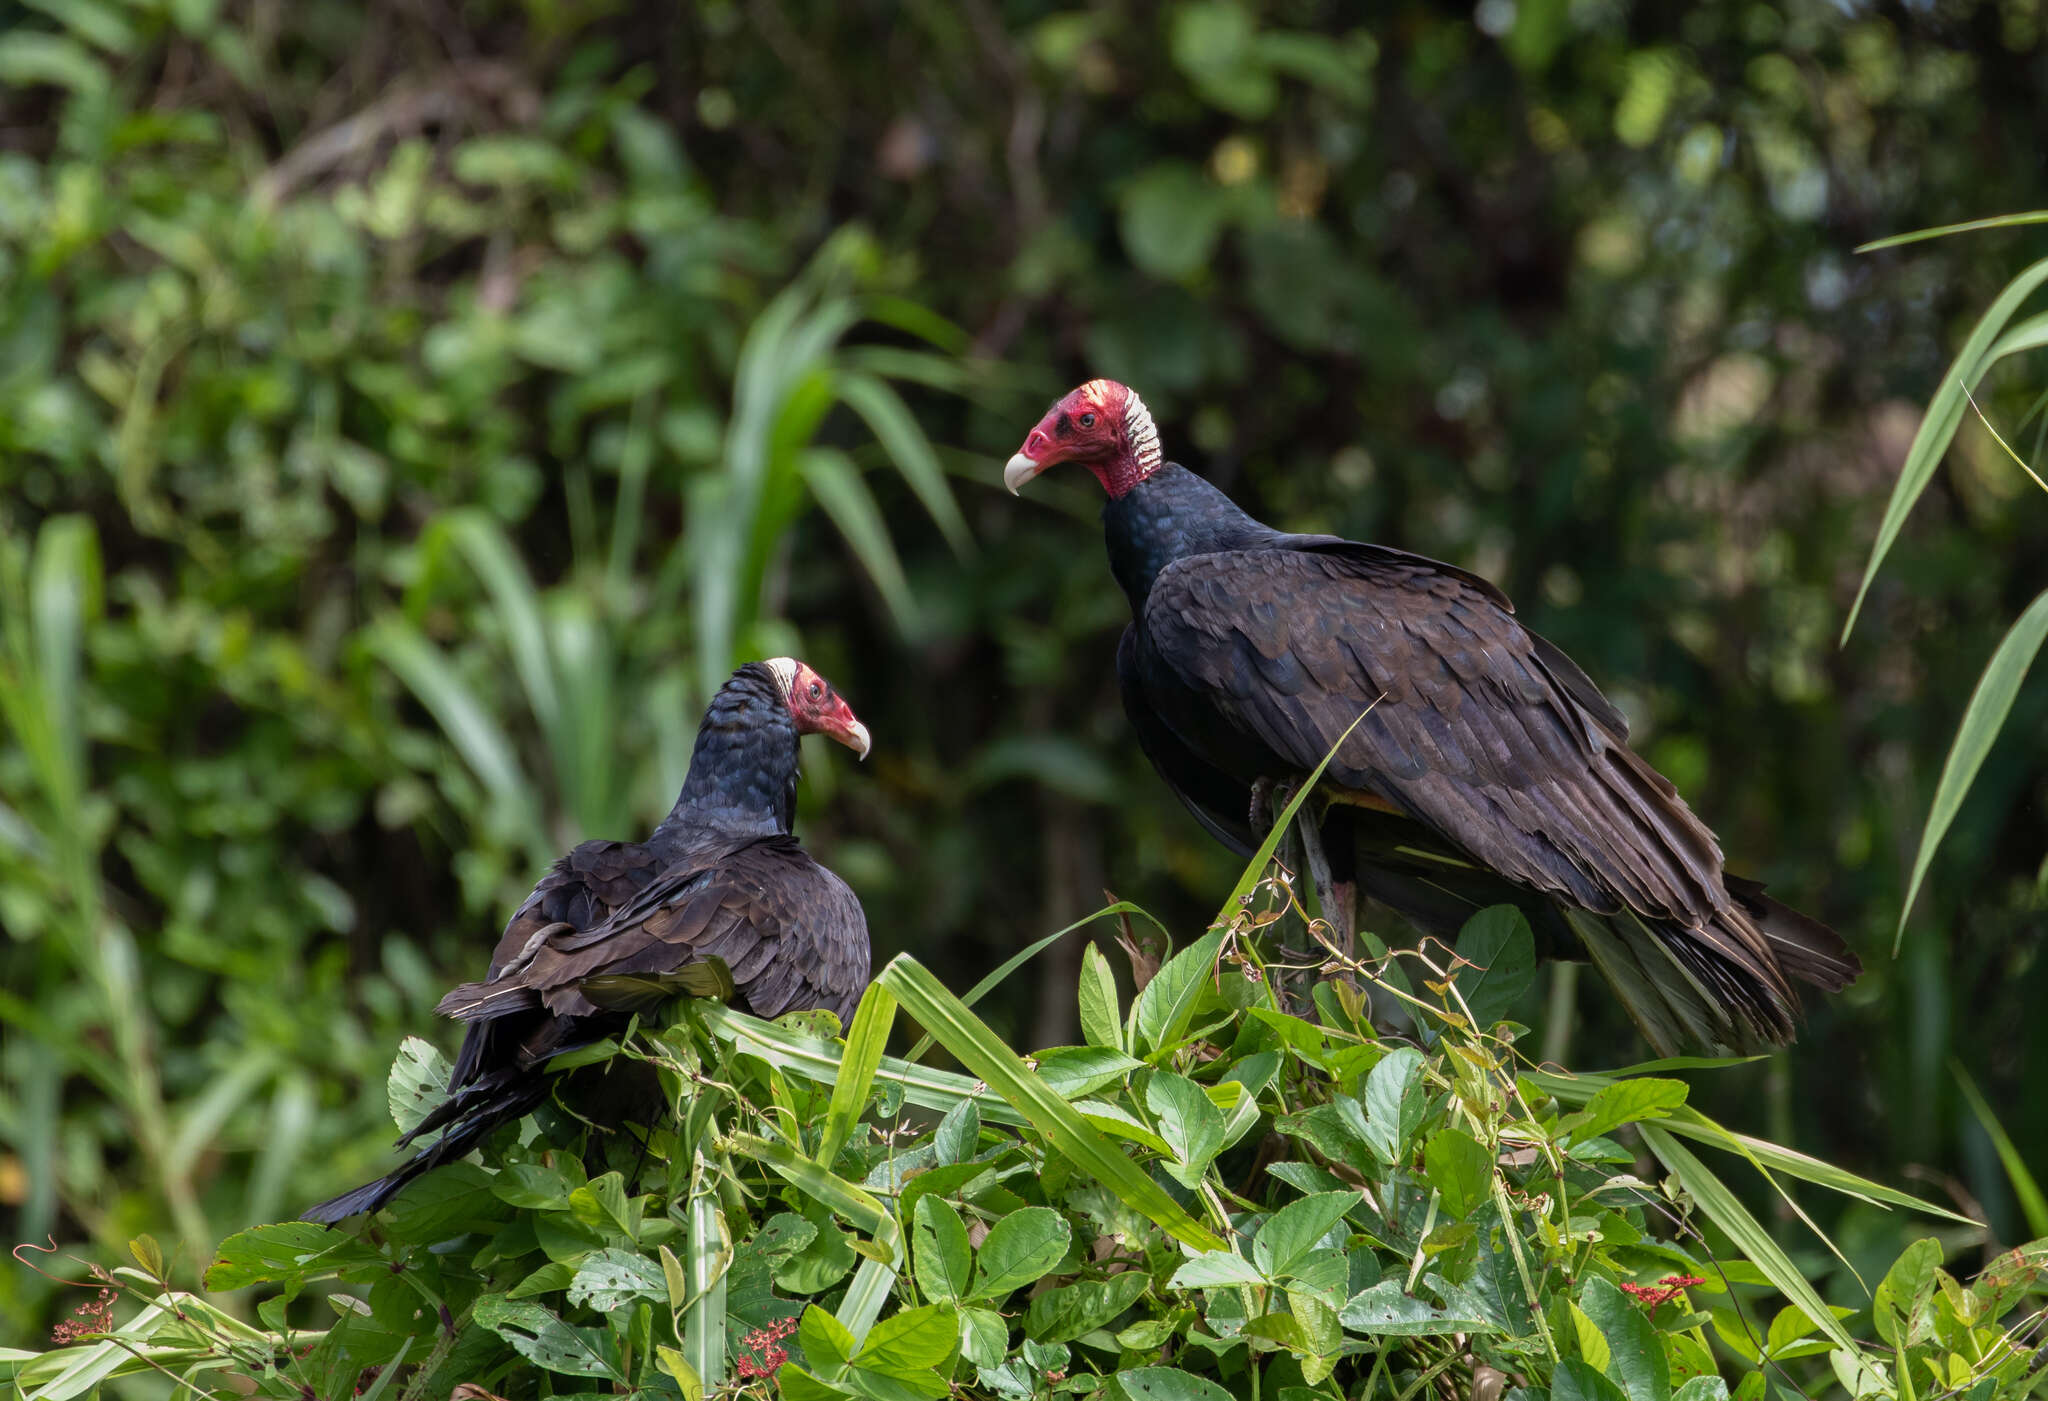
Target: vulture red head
(815, 707)
(1104, 426)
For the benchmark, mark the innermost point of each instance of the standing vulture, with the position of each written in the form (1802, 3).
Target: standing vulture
(721, 877)
(1487, 767)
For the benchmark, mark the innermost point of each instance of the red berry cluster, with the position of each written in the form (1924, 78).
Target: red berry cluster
(765, 1345)
(96, 1317)
(1650, 1296)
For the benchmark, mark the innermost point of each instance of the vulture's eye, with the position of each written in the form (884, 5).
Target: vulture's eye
(1087, 420)
(816, 690)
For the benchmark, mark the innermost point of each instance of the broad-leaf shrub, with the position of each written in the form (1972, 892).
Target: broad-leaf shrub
(1215, 1197)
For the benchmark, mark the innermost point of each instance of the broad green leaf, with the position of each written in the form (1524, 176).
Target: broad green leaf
(1623, 1102)
(1063, 1314)
(542, 1338)
(1387, 1311)
(1576, 1380)
(984, 1337)
(915, 1340)
(1702, 1388)
(958, 1137)
(1172, 216)
(1296, 1229)
(288, 1254)
(1725, 1210)
(1168, 1384)
(1213, 1269)
(1073, 1071)
(612, 1278)
(1460, 1168)
(1635, 1357)
(1898, 1310)
(1168, 1001)
(1497, 944)
(418, 1082)
(1020, 1249)
(1982, 719)
(1189, 1121)
(826, 1342)
(445, 1202)
(1101, 1016)
(1396, 1098)
(938, 1243)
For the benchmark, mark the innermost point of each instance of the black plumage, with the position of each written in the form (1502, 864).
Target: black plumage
(721, 878)
(1486, 766)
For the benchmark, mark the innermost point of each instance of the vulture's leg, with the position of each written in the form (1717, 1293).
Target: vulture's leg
(1332, 895)
(1258, 818)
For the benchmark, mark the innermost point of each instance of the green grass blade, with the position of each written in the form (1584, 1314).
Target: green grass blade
(708, 1254)
(1255, 869)
(1723, 1208)
(2033, 1205)
(900, 436)
(859, 1207)
(585, 745)
(1025, 955)
(864, 1042)
(865, 1297)
(837, 487)
(1938, 427)
(979, 1049)
(2000, 221)
(64, 596)
(499, 569)
(818, 1061)
(1985, 715)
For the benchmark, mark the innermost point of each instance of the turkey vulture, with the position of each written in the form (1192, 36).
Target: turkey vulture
(1487, 767)
(616, 924)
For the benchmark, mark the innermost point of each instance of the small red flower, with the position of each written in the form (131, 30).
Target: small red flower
(1654, 1296)
(96, 1317)
(765, 1345)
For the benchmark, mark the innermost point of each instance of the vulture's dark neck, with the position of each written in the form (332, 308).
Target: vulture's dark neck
(743, 772)
(1171, 515)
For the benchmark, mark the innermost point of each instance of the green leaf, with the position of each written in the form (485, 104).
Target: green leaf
(1578, 1381)
(612, 1278)
(827, 1343)
(1074, 1071)
(2002, 221)
(837, 487)
(1296, 1229)
(418, 1082)
(1702, 1388)
(938, 1242)
(1396, 1098)
(1168, 1384)
(1215, 43)
(1497, 944)
(865, 1040)
(1387, 1311)
(1982, 719)
(1636, 1359)
(1020, 1249)
(542, 1338)
(445, 1202)
(1899, 1308)
(1168, 1001)
(1623, 1102)
(1460, 1168)
(915, 1340)
(984, 1337)
(1063, 1314)
(1190, 1123)
(1214, 1269)
(958, 1137)
(1101, 1015)
(288, 1254)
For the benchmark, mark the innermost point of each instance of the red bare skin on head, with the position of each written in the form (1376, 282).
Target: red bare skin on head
(1099, 426)
(817, 709)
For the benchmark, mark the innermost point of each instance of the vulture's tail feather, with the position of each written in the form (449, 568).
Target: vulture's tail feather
(1803, 946)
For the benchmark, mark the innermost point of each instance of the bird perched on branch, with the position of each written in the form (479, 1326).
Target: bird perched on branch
(720, 901)
(1486, 768)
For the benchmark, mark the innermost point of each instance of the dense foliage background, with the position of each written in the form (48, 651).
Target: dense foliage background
(410, 410)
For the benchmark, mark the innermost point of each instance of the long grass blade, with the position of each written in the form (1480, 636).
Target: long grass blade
(1255, 869)
(1945, 413)
(864, 1042)
(2000, 221)
(708, 1255)
(2033, 1205)
(979, 1049)
(859, 1207)
(897, 430)
(498, 568)
(1725, 1210)
(1985, 715)
(865, 1297)
(837, 487)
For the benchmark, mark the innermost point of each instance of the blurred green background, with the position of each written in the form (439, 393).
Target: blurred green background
(409, 409)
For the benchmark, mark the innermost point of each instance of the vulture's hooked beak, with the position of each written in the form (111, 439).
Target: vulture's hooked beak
(848, 731)
(1026, 464)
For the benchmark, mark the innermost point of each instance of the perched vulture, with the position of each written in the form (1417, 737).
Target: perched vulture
(721, 877)
(1486, 768)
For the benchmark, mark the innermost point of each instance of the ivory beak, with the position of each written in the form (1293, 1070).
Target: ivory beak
(855, 737)
(1019, 470)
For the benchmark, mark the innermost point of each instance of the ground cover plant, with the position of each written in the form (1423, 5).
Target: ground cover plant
(1226, 1191)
